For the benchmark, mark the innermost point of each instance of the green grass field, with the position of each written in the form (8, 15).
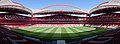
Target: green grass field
(65, 33)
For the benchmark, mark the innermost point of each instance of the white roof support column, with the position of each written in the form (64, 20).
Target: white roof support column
(110, 4)
(9, 4)
(5, 1)
(115, 1)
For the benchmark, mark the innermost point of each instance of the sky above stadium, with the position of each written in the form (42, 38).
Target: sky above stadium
(82, 4)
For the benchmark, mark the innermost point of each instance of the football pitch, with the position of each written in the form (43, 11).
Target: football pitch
(64, 33)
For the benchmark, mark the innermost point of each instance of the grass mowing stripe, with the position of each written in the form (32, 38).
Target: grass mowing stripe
(41, 34)
(45, 29)
(86, 28)
(30, 28)
(64, 33)
(68, 30)
(37, 33)
(92, 28)
(58, 30)
(79, 29)
(49, 30)
(51, 35)
(34, 29)
(75, 31)
(57, 34)
(40, 30)
(63, 30)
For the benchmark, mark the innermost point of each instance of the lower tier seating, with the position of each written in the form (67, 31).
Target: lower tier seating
(112, 37)
(8, 37)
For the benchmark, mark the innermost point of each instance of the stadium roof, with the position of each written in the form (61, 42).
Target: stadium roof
(45, 10)
(60, 12)
(111, 6)
(9, 6)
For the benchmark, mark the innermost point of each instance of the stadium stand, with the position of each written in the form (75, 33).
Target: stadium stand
(59, 19)
(8, 37)
(111, 37)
